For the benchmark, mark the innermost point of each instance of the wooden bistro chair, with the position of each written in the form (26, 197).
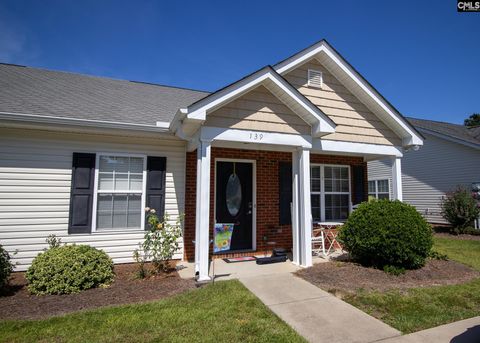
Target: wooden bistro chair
(318, 241)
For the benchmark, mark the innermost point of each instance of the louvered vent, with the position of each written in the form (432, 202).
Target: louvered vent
(315, 78)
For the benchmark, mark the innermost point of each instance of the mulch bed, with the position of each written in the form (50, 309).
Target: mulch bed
(348, 277)
(18, 303)
(461, 237)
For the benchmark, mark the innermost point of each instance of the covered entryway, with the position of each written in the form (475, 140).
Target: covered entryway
(293, 127)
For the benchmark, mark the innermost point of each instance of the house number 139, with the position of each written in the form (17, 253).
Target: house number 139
(256, 136)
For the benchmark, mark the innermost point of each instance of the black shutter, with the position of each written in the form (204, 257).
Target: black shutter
(358, 184)
(285, 192)
(156, 170)
(81, 194)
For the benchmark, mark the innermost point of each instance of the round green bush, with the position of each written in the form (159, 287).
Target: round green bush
(387, 233)
(6, 267)
(69, 269)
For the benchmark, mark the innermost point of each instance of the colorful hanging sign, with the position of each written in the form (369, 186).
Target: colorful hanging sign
(222, 237)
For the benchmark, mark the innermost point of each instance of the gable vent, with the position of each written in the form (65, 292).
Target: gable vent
(315, 78)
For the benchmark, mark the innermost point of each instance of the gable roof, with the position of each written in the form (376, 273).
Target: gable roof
(332, 60)
(32, 91)
(275, 83)
(449, 130)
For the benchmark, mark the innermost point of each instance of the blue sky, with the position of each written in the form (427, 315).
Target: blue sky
(423, 56)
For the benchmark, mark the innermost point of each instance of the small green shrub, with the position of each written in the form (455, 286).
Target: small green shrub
(6, 267)
(387, 233)
(460, 209)
(69, 269)
(160, 244)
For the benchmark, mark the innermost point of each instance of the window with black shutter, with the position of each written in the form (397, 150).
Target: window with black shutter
(358, 184)
(285, 192)
(156, 176)
(81, 195)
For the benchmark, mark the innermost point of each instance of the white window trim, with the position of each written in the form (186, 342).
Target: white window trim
(322, 187)
(96, 192)
(376, 187)
(309, 84)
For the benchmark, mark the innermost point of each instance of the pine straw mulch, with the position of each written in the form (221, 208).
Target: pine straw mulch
(348, 277)
(17, 303)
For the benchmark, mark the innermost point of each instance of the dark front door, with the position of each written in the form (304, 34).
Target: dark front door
(234, 201)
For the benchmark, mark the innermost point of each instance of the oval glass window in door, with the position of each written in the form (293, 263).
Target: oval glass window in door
(233, 194)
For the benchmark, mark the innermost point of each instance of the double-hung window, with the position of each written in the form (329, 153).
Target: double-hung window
(330, 192)
(120, 192)
(379, 189)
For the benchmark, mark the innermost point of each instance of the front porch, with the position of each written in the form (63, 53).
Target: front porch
(270, 226)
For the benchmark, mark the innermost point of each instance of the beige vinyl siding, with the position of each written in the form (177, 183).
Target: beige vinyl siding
(259, 110)
(355, 122)
(35, 180)
(429, 173)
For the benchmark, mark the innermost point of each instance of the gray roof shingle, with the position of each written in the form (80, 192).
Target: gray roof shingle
(470, 135)
(28, 90)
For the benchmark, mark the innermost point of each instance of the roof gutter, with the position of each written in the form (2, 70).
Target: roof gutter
(43, 119)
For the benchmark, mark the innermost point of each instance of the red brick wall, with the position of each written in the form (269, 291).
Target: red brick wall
(267, 194)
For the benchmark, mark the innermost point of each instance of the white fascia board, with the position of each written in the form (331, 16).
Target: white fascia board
(45, 119)
(321, 123)
(449, 138)
(199, 110)
(163, 124)
(254, 137)
(177, 119)
(321, 145)
(289, 64)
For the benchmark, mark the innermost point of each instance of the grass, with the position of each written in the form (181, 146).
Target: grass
(224, 312)
(422, 308)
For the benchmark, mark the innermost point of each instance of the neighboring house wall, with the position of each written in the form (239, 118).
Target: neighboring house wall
(259, 110)
(35, 181)
(437, 168)
(355, 122)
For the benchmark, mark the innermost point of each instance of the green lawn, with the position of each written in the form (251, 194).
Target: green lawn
(224, 312)
(422, 308)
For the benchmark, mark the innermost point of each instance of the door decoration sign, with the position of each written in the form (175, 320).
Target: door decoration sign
(222, 237)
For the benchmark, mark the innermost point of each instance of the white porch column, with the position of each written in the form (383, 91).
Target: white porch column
(305, 211)
(295, 210)
(397, 178)
(202, 225)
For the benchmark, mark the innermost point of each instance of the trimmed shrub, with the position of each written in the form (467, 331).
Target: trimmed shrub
(460, 209)
(69, 269)
(6, 267)
(387, 233)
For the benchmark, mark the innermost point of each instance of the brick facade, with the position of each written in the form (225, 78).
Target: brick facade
(267, 166)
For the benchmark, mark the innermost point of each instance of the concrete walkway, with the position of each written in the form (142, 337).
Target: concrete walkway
(319, 316)
(463, 331)
(315, 314)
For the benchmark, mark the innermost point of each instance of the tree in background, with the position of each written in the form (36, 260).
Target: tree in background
(473, 120)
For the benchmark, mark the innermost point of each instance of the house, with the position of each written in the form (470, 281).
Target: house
(81, 156)
(450, 157)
